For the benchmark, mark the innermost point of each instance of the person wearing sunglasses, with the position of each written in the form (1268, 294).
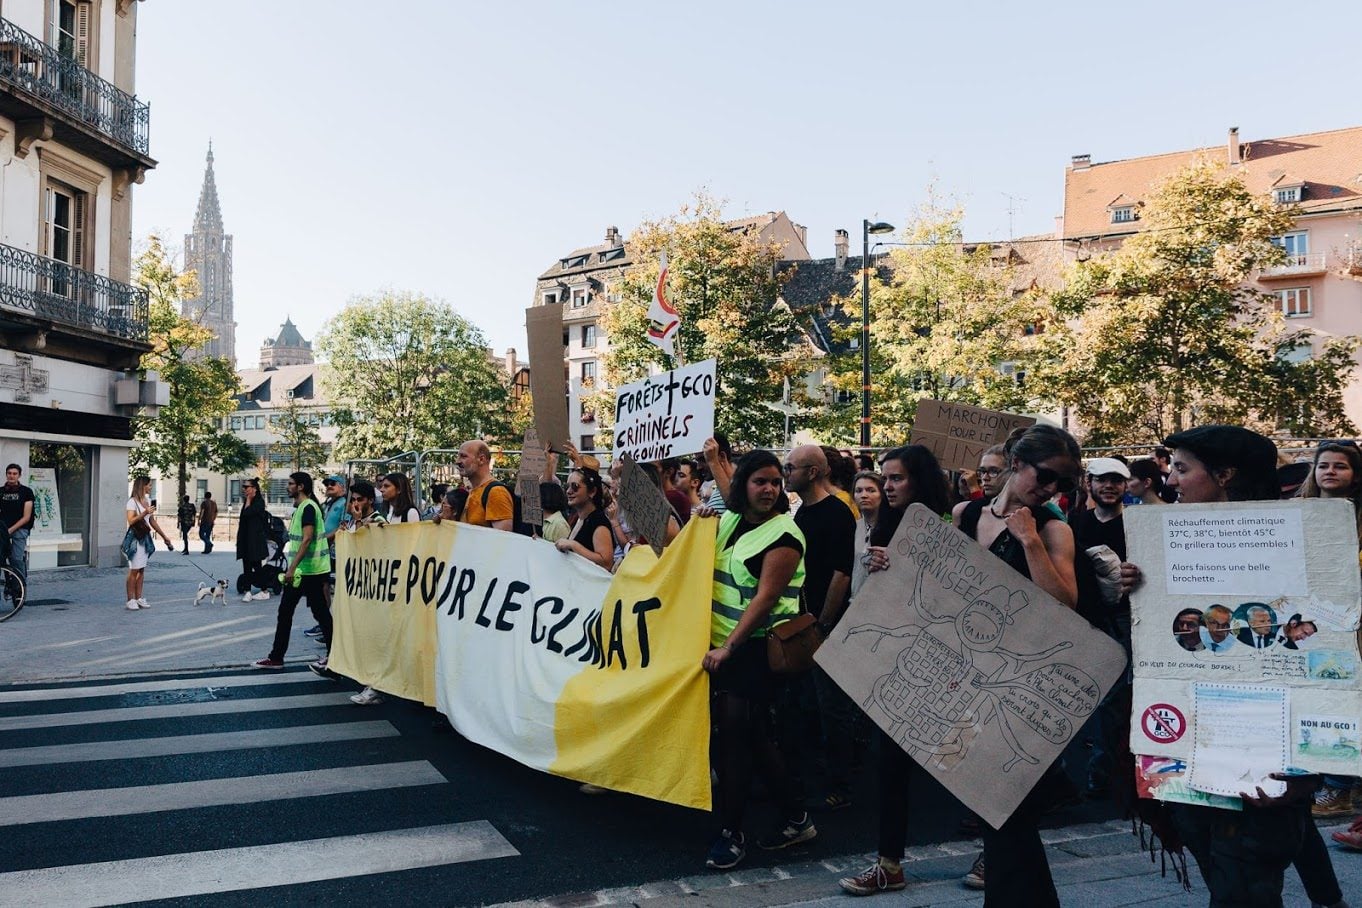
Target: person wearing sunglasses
(1017, 527)
(591, 535)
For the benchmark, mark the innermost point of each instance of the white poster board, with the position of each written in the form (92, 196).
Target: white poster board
(666, 415)
(1245, 639)
(46, 503)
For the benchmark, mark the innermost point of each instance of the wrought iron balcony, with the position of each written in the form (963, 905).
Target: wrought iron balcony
(56, 291)
(37, 68)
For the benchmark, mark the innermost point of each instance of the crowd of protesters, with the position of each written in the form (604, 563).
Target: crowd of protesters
(801, 536)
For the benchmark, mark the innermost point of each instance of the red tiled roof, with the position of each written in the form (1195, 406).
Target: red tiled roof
(1330, 163)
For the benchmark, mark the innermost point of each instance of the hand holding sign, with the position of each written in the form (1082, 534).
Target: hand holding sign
(644, 504)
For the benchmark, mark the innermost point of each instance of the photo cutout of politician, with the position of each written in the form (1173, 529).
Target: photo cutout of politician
(1296, 631)
(1215, 629)
(1256, 625)
(1187, 629)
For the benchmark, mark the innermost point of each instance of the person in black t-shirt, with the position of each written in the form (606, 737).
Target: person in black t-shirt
(16, 512)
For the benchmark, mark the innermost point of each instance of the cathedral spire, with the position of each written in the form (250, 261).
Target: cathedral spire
(208, 217)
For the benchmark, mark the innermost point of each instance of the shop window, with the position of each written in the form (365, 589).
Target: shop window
(60, 477)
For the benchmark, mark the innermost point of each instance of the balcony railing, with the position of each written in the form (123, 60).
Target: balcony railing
(41, 70)
(55, 290)
(1354, 263)
(1306, 263)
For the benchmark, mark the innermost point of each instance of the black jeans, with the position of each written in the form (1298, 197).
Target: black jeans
(313, 586)
(1243, 855)
(896, 768)
(1016, 871)
(839, 716)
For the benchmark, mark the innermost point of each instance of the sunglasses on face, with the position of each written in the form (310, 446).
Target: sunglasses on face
(1063, 482)
(573, 486)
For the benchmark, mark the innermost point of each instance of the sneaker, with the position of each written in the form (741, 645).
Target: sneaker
(313, 631)
(263, 594)
(132, 605)
(872, 880)
(792, 833)
(587, 788)
(975, 878)
(319, 668)
(835, 800)
(1332, 802)
(246, 597)
(367, 697)
(142, 603)
(727, 851)
(267, 662)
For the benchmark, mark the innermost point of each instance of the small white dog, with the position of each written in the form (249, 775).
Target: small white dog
(217, 592)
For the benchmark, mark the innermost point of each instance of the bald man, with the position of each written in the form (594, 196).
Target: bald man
(829, 549)
(489, 504)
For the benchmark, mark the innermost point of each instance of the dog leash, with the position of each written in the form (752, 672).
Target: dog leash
(216, 580)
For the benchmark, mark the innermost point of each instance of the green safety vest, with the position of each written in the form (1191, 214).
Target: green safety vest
(735, 586)
(317, 560)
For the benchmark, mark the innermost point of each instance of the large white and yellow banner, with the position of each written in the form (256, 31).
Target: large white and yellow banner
(538, 654)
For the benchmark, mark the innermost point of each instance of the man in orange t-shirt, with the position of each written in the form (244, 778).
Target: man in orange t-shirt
(475, 462)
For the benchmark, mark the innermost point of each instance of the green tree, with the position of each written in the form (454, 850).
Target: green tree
(945, 323)
(1169, 331)
(408, 373)
(297, 438)
(202, 388)
(725, 286)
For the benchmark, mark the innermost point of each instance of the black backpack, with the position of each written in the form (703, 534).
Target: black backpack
(518, 525)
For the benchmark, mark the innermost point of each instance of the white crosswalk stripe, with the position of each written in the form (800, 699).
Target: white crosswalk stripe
(307, 744)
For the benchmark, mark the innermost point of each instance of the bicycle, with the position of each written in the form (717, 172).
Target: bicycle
(12, 593)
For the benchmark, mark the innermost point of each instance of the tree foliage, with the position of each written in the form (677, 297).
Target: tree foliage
(725, 286)
(944, 319)
(202, 388)
(1169, 331)
(408, 373)
(297, 438)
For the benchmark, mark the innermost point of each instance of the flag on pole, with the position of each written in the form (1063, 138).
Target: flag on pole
(662, 317)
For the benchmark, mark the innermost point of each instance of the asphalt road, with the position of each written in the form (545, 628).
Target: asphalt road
(154, 789)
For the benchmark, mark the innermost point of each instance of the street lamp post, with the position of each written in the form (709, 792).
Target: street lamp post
(867, 227)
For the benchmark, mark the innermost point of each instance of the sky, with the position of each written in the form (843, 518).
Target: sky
(459, 149)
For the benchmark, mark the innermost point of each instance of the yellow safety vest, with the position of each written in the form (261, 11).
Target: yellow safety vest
(735, 586)
(317, 559)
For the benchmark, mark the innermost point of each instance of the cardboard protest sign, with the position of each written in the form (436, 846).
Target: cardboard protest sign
(958, 433)
(978, 674)
(544, 332)
(645, 506)
(666, 415)
(1246, 655)
(533, 460)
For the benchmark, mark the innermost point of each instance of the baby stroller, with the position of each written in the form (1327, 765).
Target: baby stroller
(266, 577)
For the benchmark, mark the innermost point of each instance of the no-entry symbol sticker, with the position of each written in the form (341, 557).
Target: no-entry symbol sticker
(1163, 722)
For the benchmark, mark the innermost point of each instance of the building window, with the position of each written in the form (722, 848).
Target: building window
(550, 297)
(588, 414)
(200, 487)
(1287, 196)
(1123, 215)
(588, 443)
(1296, 245)
(236, 423)
(580, 297)
(260, 422)
(233, 491)
(1295, 302)
(588, 335)
(588, 371)
(279, 489)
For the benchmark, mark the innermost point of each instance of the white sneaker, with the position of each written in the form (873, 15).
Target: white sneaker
(132, 605)
(263, 594)
(246, 597)
(142, 603)
(367, 697)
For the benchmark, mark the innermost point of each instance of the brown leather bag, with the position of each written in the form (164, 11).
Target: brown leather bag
(790, 645)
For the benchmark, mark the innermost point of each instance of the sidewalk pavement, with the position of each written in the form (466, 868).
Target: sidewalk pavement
(75, 625)
(1095, 865)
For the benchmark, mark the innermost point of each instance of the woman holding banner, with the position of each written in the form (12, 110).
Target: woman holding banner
(1017, 527)
(1242, 855)
(590, 537)
(758, 575)
(910, 475)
